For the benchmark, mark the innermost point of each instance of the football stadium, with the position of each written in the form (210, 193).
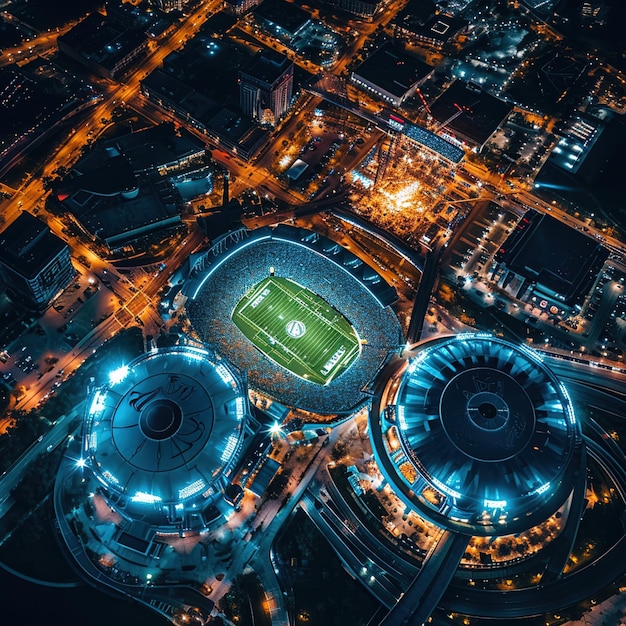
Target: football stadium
(309, 322)
(297, 329)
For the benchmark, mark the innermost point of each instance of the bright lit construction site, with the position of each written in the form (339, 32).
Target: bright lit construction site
(401, 189)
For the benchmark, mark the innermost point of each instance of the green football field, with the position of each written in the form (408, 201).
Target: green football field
(297, 329)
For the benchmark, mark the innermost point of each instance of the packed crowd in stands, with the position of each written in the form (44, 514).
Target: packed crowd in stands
(435, 143)
(210, 316)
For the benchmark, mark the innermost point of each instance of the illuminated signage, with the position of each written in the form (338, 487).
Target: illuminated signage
(397, 123)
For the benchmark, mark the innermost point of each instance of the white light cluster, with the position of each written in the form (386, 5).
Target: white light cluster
(195, 356)
(533, 354)
(542, 489)
(445, 489)
(239, 408)
(97, 404)
(190, 490)
(568, 405)
(110, 478)
(93, 440)
(224, 374)
(418, 359)
(231, 444)
(118, 375)
(146, 498)
(494, 504)
(401, 418)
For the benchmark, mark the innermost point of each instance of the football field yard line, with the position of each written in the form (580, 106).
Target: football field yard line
(294, 356)
(325, 323)
(312, 310)
(271, 334)
(328, 344)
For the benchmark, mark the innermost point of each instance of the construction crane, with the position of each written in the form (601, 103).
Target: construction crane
(385, 151)
(421, 97)
(461, 109)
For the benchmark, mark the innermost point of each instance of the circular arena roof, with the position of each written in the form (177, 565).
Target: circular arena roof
(165, 429)
(480, 435)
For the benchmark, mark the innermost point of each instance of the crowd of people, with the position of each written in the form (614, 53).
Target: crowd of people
(378, 328)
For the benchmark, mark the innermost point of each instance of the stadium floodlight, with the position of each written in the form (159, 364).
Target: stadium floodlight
(495, 504)
(118, 375)
(147, 498)
(81, 462)
(276, 430)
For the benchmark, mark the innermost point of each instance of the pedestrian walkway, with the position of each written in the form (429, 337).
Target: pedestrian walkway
(611, 612)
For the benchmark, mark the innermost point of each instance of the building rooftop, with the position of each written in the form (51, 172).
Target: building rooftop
(418, 9)
(479, 113)
(393, 70)
(267, 66)
(164, 429)
(101, 40)
(27, 245)
(286, 15)
(232, 125)
(209, 66)
(156, 146)
(117, 219)
(179, 94)
(480, 428)
(554, 255)
(220, 23)
(440, 28)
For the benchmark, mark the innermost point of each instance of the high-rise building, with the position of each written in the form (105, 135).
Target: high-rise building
(239, 7)
(266, 87)
(34, 263)
(169, 5)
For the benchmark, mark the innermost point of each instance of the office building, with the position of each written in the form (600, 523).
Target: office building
(266, 86)
(34, 263)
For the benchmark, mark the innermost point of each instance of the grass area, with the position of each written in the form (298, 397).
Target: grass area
(297, 329)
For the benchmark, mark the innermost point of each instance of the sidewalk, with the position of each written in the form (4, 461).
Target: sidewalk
(611, 612)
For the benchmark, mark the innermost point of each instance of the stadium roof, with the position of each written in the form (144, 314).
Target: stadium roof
(219, 278)
(483, 426)
(164, 430)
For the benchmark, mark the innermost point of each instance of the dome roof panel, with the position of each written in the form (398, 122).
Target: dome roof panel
(168, 427)
(486, 424)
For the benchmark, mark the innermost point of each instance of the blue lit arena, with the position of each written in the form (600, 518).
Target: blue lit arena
(477, 435)
(163, 433)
